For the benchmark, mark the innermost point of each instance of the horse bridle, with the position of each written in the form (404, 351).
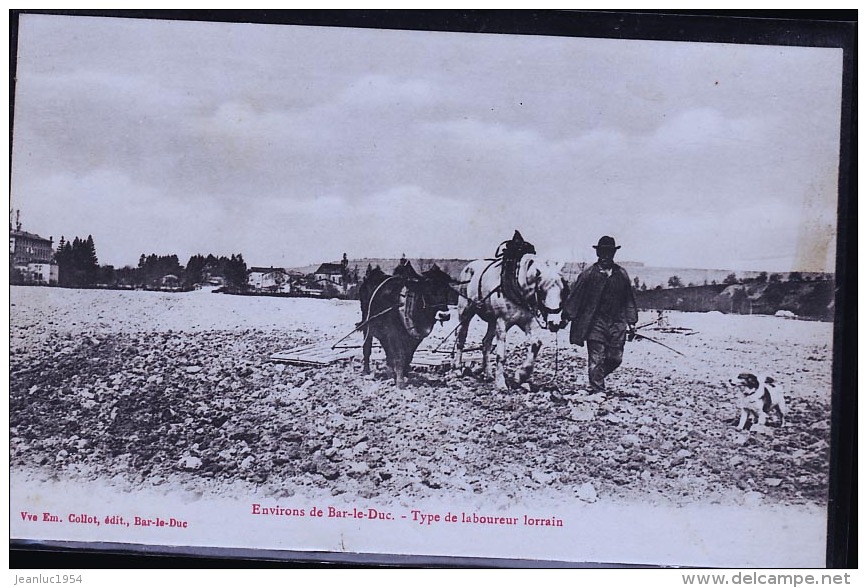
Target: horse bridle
(426, 305)
(543, 310)
(534, 303)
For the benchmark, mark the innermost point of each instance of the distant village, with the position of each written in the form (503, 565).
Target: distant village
(34, 260)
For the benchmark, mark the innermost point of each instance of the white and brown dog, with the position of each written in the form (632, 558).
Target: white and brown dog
(759, 396)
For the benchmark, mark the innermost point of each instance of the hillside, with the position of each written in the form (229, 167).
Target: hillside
(649, 276)
(808, 295)
(451, 266)
(807, 299)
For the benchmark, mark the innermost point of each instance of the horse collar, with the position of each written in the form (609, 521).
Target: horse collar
(407, 304)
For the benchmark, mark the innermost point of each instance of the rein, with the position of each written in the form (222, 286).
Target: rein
(540, 309)
(540, 305)
(482, 275)
(533, 303)
(548, 381)
(363, 324)
(369, 318)
(404, 295)
(373, 296)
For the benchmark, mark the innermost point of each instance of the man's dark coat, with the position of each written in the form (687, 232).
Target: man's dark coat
(586, 297)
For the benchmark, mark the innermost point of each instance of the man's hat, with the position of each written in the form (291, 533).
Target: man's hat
(606, 242)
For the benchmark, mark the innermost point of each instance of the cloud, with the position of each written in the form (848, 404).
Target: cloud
(378, 91)
(125, 218)
(299, 142)
(754, 236)
(403, 219)
(705, 127)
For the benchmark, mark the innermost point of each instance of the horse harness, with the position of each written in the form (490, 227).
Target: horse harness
(409, 300)
(510, 289)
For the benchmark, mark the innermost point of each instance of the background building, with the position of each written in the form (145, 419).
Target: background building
(31, 257)
(268, 279)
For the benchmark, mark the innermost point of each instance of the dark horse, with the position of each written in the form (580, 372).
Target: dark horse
(400, 311)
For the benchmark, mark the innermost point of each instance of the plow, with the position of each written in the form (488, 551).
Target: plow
(436, 352)
(430, 355)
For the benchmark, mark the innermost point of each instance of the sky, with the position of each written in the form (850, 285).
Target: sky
(293, 144)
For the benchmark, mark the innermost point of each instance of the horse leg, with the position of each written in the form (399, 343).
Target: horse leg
(534, 344)
(466, 311)
(407, 360)
(486, 350)
(400, 363)
(389, 362)
(366, 349)
(464, 318)
(500, 356)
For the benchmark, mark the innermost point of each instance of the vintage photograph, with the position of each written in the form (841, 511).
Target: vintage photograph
(297, 289)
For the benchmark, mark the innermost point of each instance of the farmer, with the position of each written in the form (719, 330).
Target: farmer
(601, 306)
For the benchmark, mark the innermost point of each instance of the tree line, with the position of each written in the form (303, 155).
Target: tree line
(78, 267)
(675, 281)
(77, 263)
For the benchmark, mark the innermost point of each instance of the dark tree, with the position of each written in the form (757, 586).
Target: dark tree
(90, 262)
(740, 302)
(675, 282)
(78, 265)
(63, 258)
(235, 273)
(329, 290)
(126, 276)
(195, 270)
(154, 268)
(730, 279)
(107, 275)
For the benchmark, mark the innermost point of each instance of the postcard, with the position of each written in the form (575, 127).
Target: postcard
(356, 293)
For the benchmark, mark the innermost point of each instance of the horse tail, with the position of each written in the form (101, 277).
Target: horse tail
(466, 277)
(465, 297)
(466, 310)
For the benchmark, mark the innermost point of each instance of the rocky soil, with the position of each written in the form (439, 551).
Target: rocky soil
(145, 389)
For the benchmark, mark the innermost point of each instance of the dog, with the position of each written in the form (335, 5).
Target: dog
(760, 396)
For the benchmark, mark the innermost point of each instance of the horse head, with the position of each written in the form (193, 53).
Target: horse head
(374, 274)
(438, 291)
(546, 288)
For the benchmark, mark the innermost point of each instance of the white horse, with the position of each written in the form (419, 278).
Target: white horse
(541, 284)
